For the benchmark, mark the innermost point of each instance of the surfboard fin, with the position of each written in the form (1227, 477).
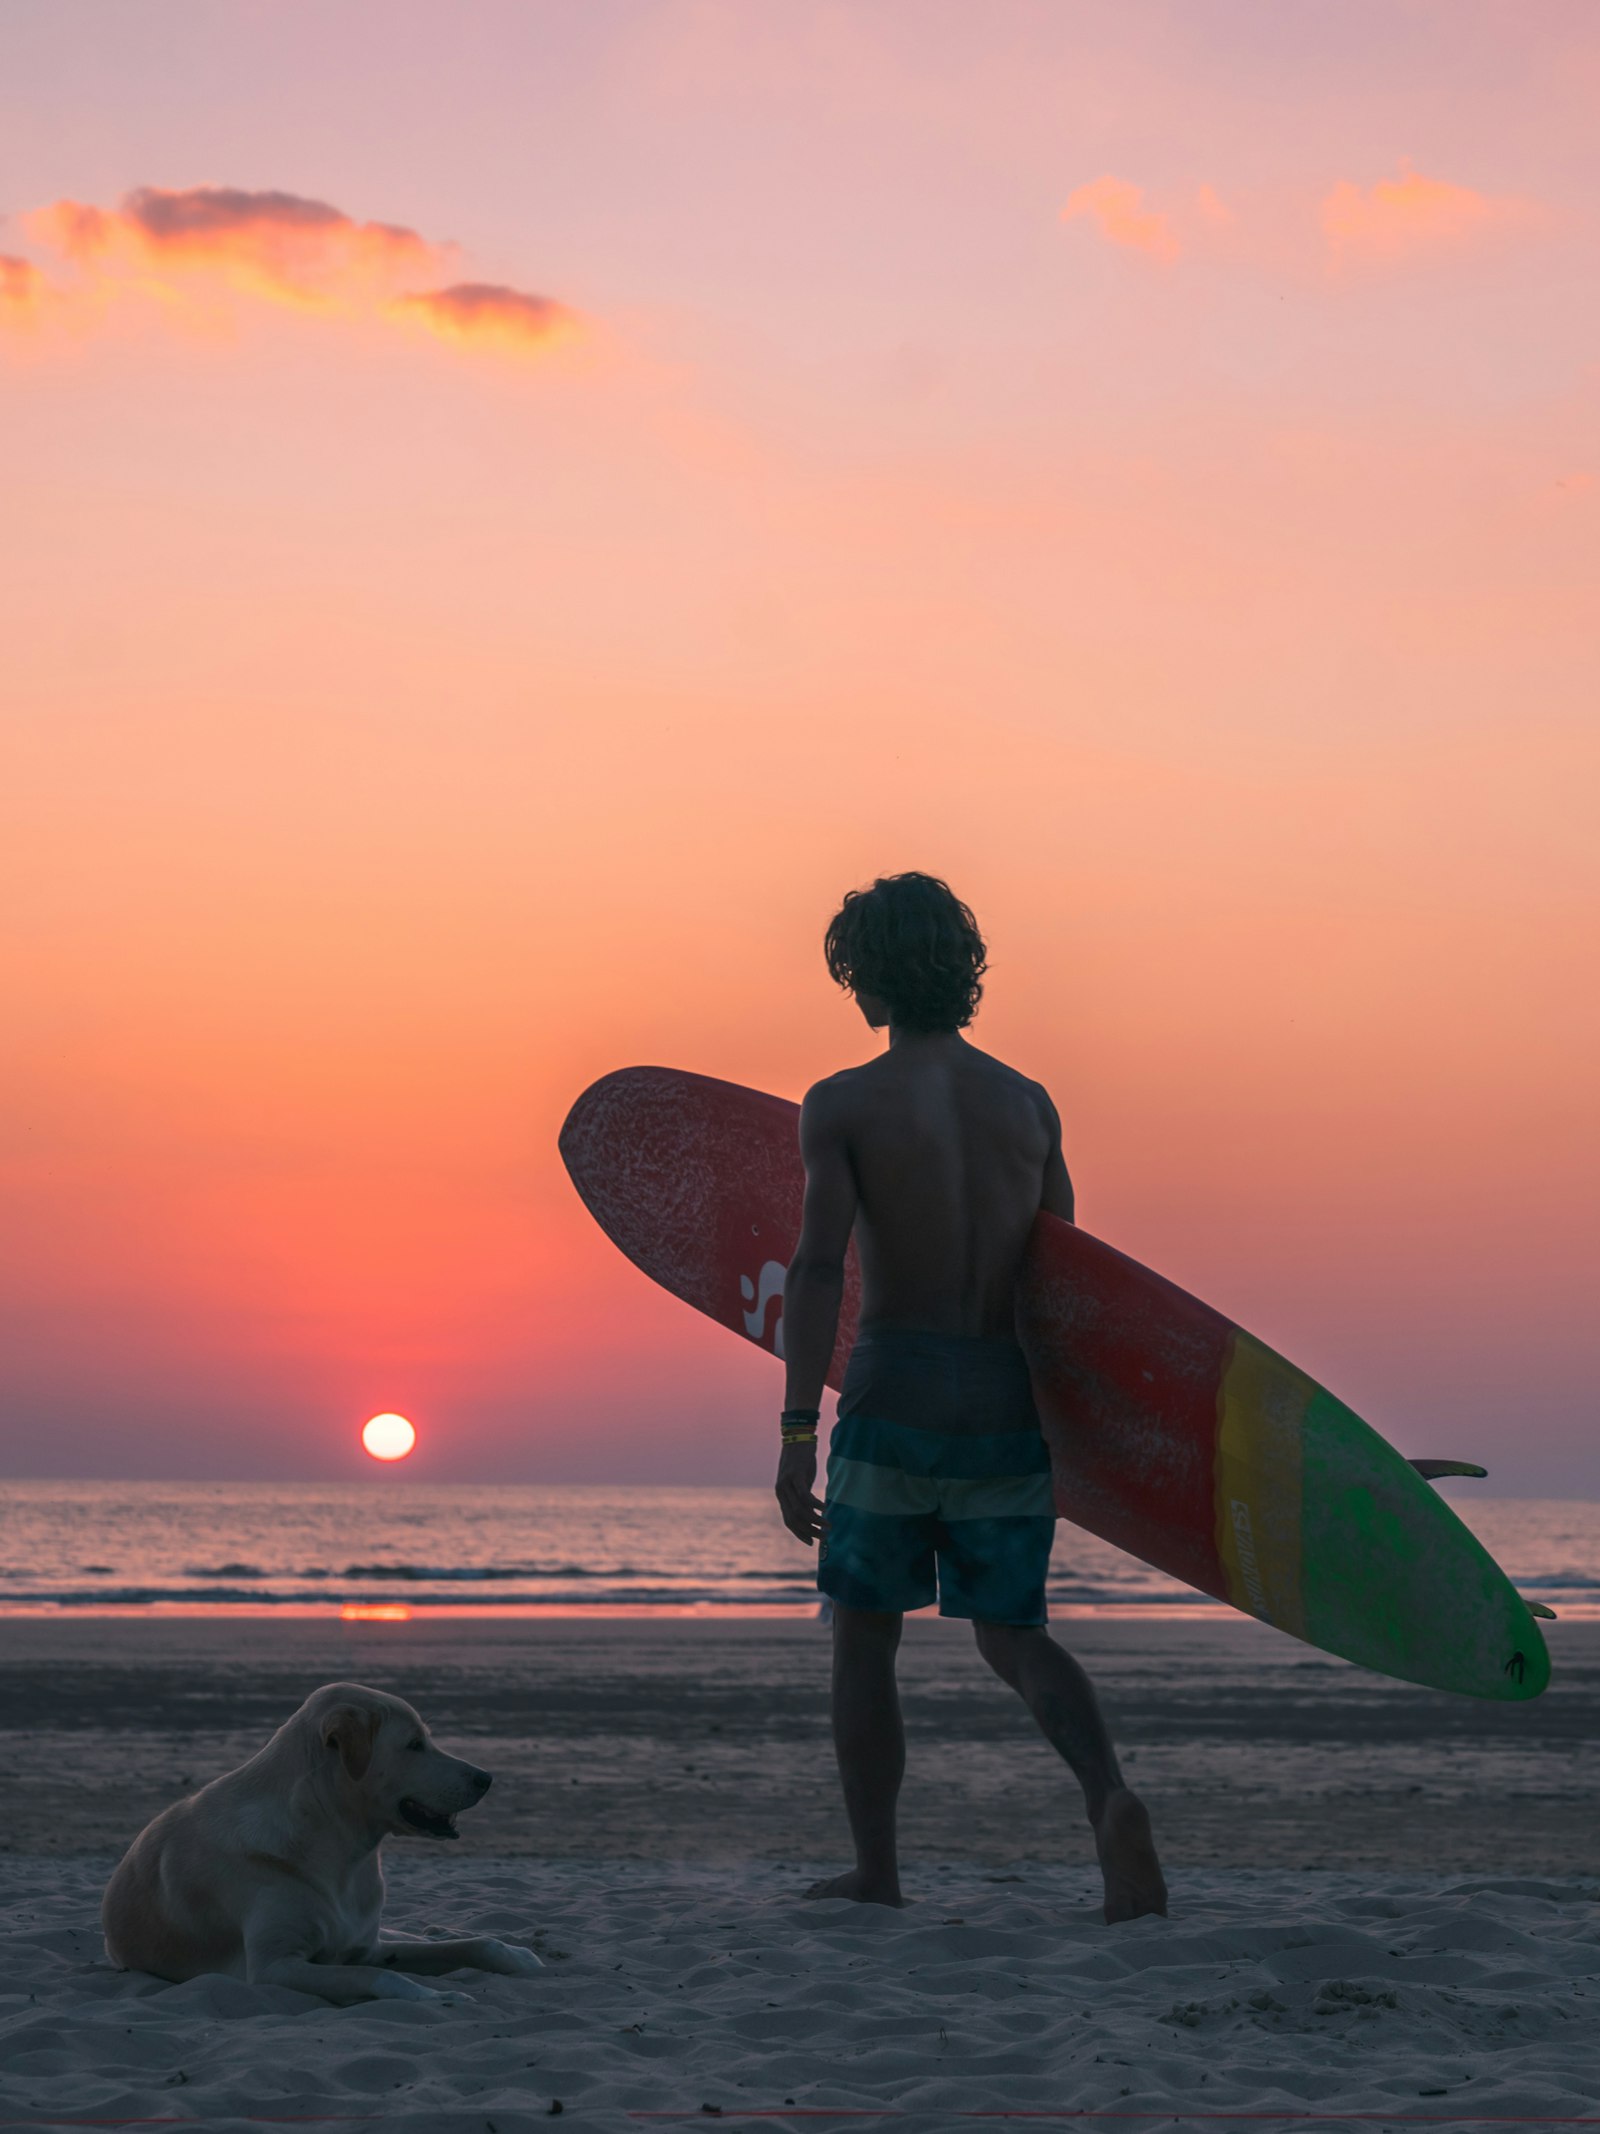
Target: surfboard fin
(1431, 1470)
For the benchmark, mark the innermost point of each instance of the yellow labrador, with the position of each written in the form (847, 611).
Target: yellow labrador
(271, 1873)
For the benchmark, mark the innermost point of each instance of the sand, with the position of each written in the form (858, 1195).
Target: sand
(708, 1741)
(669, 1991)
(1382, 1902)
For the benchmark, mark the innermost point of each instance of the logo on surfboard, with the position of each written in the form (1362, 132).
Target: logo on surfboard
(757, 1296)
(1249, 1568)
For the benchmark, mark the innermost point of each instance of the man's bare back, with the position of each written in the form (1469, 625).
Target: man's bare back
(952, 1154)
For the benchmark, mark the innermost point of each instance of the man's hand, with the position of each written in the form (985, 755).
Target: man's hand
(797, 1474)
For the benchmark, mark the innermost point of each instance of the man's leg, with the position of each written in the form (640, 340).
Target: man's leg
(870, 1742)
(1061, 1698)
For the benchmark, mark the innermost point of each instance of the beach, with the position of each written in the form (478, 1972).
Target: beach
(1383, 1899)
(707, 1741)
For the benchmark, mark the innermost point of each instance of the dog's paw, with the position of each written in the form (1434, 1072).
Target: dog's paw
(508, 1958)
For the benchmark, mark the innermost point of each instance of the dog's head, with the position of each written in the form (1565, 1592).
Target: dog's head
(375, 1746)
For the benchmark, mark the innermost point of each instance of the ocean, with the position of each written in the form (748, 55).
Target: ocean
(389, 1547)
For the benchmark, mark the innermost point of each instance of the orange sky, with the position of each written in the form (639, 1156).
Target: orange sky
(511, 511)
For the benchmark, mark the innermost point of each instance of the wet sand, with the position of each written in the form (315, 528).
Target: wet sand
(706, 1741)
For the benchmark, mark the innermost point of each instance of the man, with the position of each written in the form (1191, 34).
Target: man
(938, 1158)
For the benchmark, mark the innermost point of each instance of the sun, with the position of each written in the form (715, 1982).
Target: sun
(388, 1437)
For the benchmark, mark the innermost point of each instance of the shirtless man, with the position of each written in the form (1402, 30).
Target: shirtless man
(938, 1157)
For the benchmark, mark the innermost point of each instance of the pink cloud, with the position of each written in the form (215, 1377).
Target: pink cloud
(271, 246)
(1211, 207)
(1118, 211)
(1397, 217)
(487, 312)
(22, 288)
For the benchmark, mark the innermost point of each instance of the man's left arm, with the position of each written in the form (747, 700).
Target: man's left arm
(812, 1293)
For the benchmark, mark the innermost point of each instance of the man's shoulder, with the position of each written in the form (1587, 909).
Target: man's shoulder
(834, 1092)
(1012, 1077)
(830, 1111)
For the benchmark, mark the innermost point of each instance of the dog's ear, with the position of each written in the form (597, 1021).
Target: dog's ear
(352, 1731)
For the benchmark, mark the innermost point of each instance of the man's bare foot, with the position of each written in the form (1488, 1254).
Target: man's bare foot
(860, 1889)
(1134, 1882)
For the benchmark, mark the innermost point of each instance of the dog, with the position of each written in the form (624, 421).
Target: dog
(271, 1873)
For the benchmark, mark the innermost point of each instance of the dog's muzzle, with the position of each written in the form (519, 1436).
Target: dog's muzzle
(441, 1822)
(429, 1821)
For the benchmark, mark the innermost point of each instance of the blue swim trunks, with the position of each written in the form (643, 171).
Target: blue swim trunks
(938, 1480)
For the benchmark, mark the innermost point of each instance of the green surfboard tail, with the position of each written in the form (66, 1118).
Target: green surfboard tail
(1325, 1530)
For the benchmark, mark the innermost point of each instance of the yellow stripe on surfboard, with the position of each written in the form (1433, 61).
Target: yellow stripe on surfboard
(1261, 1407)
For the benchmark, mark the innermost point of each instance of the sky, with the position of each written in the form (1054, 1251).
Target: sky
(512, 509)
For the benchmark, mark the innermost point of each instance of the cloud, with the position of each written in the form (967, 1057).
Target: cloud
(278, 247)
(276, 243)
(22, 289)
(488, 312)
(1397, 217)
(1211, 207)
(1117, 210)
(1394, 219)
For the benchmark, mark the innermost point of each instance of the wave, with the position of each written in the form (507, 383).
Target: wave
(256, 1597)
(1143, 1589)
(1578, 1599)
(443, 1574)
(625, 1581)
(638, 1589)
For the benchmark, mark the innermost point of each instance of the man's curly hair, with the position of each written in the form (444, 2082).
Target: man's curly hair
(910, 940)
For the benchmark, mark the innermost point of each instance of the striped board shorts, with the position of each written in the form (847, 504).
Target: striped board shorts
(938, 1480)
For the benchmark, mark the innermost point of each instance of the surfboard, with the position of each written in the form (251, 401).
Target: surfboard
(1173, 1433)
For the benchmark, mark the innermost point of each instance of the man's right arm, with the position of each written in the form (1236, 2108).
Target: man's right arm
(1056, 1198)
(812, 1293)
